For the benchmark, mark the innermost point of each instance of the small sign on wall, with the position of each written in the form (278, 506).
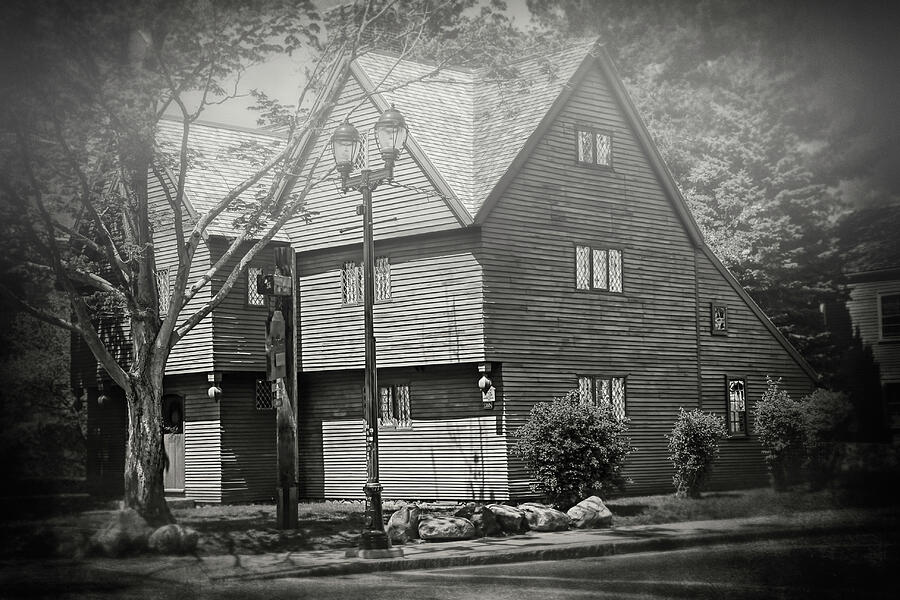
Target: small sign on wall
(487, 398)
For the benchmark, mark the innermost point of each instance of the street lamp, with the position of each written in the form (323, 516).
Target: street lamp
(390, 134)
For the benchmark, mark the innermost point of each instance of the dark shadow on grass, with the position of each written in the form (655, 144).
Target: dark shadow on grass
(627, 510)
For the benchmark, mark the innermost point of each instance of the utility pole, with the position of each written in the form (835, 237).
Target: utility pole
(281, 371)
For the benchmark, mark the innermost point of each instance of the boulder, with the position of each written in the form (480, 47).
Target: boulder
(174, 539)
(403, 525)
(445, 528)
(126, 533)
(544, 518)
(590, 513)
(511, 519)
(486, 524)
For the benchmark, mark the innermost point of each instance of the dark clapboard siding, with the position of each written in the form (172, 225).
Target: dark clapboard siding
(249, 467)
(434, 314)
(545, 331)
(455, 449)
(240, 329)
(202, 437)
(750, 351)
(106, 440)
(192, 353)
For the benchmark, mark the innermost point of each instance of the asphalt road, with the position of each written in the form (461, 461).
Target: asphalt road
(823, 567)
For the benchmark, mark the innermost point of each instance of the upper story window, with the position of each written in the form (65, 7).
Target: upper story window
(718, 314)
(394, 406)
(593, 147)
(254, 298)
(737, 406)
(603, 391)
(889, 312)
(352, 281)
(163, 291)
(598, 269)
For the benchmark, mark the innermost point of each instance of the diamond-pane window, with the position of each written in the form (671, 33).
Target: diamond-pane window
(618, 396)
(265, 397)
(615, 270)
(737, 406)
(404, 418)
(585, 147)
(394, 407)
(582, 267)
(604, 149)
(382, 278)
(600, 269)
(604, 391)
(351, 283)
(719, 315)
(254, 298)
(593, 147)
(585, 390)
(163, 291)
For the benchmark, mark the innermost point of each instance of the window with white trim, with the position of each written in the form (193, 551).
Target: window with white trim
(163, 291)
(889, 316)
(593, 147)
(603, 391)
(394, 408)
(736, 390)
(352, 281)
(254, 298)
(598, 269)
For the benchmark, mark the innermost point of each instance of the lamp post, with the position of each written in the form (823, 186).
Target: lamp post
(390, 134)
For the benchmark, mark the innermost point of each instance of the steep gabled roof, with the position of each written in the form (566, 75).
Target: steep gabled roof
(220, 160)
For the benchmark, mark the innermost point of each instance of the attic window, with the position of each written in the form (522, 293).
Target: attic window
(593, 147)
(718, 318)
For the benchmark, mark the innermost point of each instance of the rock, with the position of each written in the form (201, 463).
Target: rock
(590, 513)
(403, 525)
(511, 519)
(544, 518)
(126, 533)
(174, 539)
(486, 524)
(445, 528)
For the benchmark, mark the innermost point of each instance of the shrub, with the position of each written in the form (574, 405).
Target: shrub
(779, 425)
(573, 449)
(693, 447)
(824, 418)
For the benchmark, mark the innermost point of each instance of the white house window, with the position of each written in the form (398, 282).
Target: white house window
(394, 406)
(598, 269)
(264, 395)
(593, 147)
(163, 290)
(603, 391)
(254, 298)
(352, 281)
(889, 311)
(737, 406)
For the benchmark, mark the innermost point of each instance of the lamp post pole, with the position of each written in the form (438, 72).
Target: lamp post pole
(390, 132)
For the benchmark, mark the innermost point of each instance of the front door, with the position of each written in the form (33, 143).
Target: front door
(173, 439)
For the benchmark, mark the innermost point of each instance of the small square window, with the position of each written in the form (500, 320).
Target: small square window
(394, 407)
(254, 298)
(718, 318)
(593, 147)
(889, 313)
(737, 406)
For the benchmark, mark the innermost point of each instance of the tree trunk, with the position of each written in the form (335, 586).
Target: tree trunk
(145, 458)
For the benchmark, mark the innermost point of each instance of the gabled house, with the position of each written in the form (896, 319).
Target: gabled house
(532, 234)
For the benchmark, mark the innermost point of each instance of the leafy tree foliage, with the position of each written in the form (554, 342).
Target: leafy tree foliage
(693, 448)
(778, 422)
(573, 449)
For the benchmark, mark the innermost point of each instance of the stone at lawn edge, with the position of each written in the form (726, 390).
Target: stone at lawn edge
(486, 524)
(590, 513)
(126, 533)
(511, 519)
(403, 525)
(544, 518)
(445, 528)
(174, 539)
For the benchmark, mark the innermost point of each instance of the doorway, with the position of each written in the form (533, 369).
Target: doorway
(173, 442)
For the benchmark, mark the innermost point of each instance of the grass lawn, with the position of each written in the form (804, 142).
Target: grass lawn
(250, 528)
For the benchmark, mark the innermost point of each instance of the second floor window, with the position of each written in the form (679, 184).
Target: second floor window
(394, 409)
(254, 298)
(598, 269)
(163, 291)
(890, 316)
(352, 281)
(603, 391)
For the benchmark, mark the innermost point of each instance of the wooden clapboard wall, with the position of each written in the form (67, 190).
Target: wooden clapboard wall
(455, 450)
(546, 332)
(863, 305)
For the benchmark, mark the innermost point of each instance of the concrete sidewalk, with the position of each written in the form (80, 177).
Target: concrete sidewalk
(531, 546)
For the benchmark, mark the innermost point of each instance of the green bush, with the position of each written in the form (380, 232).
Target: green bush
(825, 415)
(693, 447)
(573, 449)
(779, 425)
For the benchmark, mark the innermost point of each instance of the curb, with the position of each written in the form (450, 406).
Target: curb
(554, 553)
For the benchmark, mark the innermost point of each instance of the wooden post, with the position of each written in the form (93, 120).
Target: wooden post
(286, 396)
